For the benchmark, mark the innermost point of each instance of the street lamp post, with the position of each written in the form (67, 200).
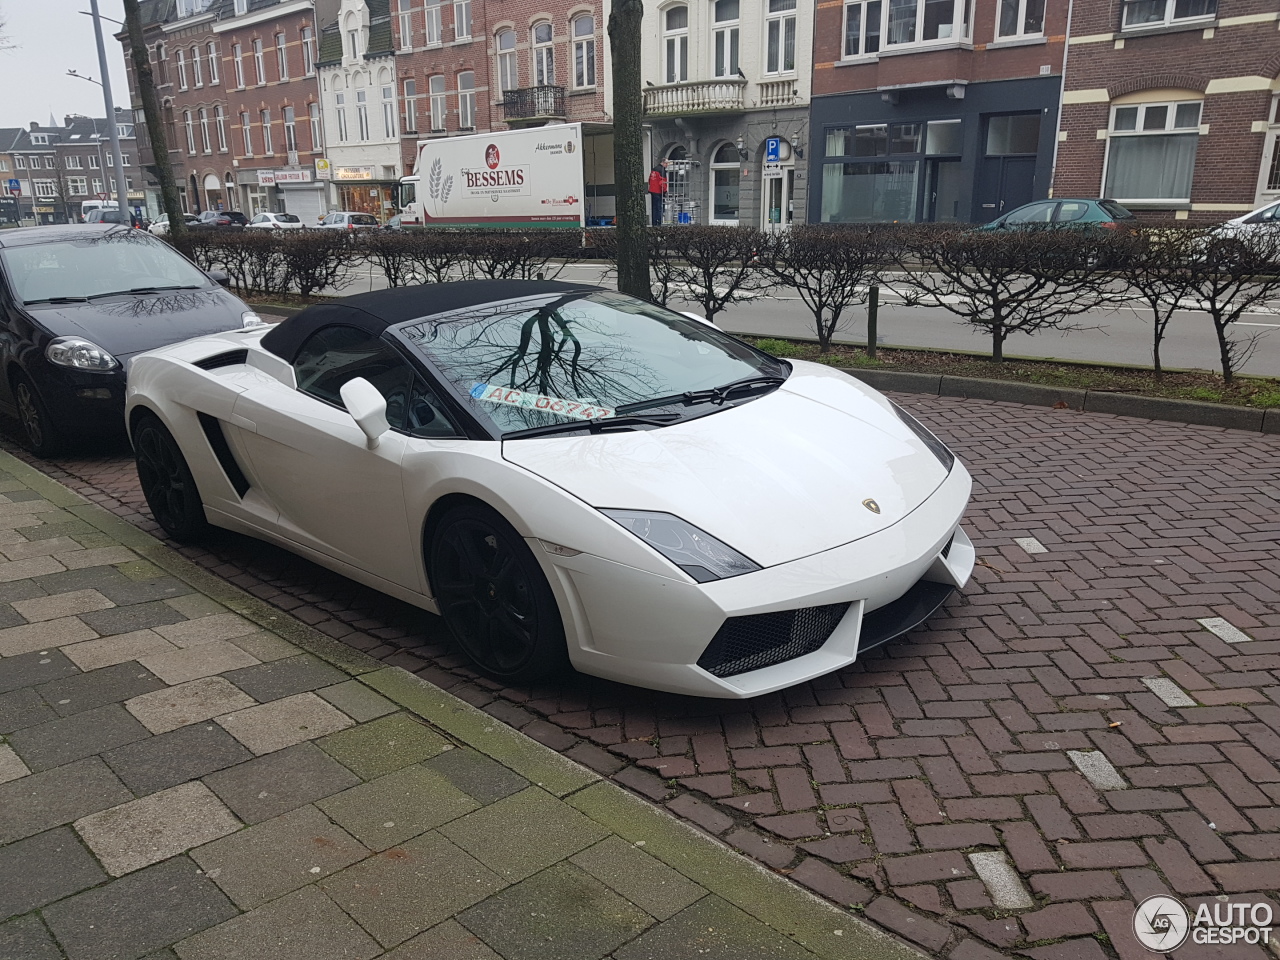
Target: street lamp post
(122, 186)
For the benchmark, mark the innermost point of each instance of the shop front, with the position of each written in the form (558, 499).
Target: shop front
(358, 192)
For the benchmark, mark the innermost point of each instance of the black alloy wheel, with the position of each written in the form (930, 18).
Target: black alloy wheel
(494, 597)
(39, 433)
(167, 482)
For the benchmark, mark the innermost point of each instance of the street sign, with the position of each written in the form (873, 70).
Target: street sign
(104, 196)
(773, 149)
(15, 188)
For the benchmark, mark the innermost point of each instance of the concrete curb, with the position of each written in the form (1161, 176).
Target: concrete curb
(1252, 419)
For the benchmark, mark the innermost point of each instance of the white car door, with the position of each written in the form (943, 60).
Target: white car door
(309, 458)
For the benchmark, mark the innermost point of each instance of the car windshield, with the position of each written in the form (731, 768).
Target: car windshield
(95, 265)
(579, 356)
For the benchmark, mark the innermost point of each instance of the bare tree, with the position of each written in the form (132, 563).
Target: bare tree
(604, 243)
(1152, 266)
(1005, 281)
(316, 260)
(519, 255)
(711, 266)
(625, 25)
(832, 268)
(5, 42)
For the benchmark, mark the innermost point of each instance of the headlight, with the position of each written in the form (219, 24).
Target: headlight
(936, 446)
(79, 354)
(694, 551)
(251, 319)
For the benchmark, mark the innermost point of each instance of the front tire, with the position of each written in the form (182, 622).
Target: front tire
(494, 598)
(39, 433)
(167, 482)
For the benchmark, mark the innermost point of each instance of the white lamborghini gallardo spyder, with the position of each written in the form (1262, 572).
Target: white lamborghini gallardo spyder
(566, 475)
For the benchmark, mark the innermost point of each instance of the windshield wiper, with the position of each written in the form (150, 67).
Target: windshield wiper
(58, 300)
(710, 395)
(121, 293)
(595, 426)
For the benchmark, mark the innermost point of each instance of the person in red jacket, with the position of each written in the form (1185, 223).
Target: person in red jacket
(657, 187)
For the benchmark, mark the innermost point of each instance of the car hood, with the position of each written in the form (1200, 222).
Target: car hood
(778, 478)
(127, 325)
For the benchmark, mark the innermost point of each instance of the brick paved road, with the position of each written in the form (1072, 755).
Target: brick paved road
(1020, 724)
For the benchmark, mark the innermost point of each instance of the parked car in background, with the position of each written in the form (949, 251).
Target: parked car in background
(161, 227)
(1264, 221)
(395, 223)
(1065, 212)
(219, 218)
(345, 220)
(275, 221)
(103, 215)
(82, 300)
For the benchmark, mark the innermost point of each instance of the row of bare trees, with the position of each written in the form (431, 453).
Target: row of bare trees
(1002, 282)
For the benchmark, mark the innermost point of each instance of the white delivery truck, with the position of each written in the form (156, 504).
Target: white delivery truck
(548, 177)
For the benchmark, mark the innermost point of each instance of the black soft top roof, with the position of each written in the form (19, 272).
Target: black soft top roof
(374, 312)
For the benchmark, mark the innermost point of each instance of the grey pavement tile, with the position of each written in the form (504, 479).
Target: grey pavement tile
(222, 626)
(159, 826)
(32, 566)
(357, 701)
(178, 665)
(127, 619)
(45, 635)
(94, 556)
(145, 591)
(400, 805)
(269, 786)
(524, 833)
(44, 868)
(147, 910)
(175, 757)
(23, 708)
(648, 883)
(196, 605)
(61, 605)
(27, 939)
(90, 578)
(283, 678)
(114, 684)
(49, 799)
(712, 929)
(20, 590)
(34, 668)
(62, 526)
(265, 646)
(283, 723)
(305, 925)
(558, 914)
(71, 738)
(190, 702)
(10, 617)
(477, 775)
(92, 654)
(445, 941)
(383, 745)
(277, 856)
(11, 765)
(409, 888)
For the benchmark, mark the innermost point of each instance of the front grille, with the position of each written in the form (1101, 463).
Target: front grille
(750, 643)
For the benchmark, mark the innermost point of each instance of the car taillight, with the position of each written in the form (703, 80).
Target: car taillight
(351, 226)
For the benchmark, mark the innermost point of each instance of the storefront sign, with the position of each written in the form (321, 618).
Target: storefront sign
(324, 170)
(353, 173)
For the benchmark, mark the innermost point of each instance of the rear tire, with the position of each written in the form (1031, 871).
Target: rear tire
(40, 434)
(167, 482)
(494, 597)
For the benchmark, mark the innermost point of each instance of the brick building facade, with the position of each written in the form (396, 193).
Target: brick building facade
(1171, 107)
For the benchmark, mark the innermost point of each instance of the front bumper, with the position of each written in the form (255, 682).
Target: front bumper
(644, 629)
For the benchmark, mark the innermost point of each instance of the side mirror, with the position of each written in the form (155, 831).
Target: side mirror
(368, 408)
(220, 278)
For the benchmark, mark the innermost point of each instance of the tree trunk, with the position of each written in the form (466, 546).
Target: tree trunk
(628, 149)
(155, 126)
(998, 333)
(1224, 351)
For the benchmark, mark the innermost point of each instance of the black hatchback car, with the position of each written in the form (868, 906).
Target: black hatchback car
(76, 303)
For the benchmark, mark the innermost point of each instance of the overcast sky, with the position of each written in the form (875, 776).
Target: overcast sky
(50, 38)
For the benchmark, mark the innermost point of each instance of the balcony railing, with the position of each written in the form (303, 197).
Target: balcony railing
(777, 93)
(533, 103)
(708, 96)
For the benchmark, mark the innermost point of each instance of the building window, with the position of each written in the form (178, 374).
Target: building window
(675, 46)
(725, 38)
(584, 52)
(258, 65)
(1156, 13)
(544, 58)
(44, 189)
(411, 106)
(507, 76)
(1271, 170)
(362, 113)
(861, 28)
(268, 148)
(926, 21)
(74, 163)
(780, 37)
(290, 133)
(97, 185)
(93, 162)
(353, 39)
(877, 182)
(436, 89)
(247, 130)
(191, 132)
(724, 185)
(212, 55)
(241, 6)
(282, 57)
(205, 143)
(49, 162)
(20, 163)
(1151, 151)
(434, 32)
(341, 100)
(317, 135)
(182, 70)
(197, 71)
(308, 51)
(467, 100)
(389, 111)
(462, 20)
(1020, 18)
(237, 59)
(220, 123)
(405, 22)
(77, 186)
